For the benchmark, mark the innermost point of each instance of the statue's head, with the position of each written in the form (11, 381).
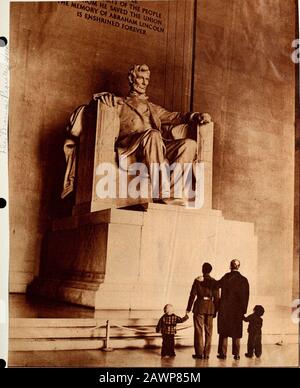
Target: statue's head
(139, 77)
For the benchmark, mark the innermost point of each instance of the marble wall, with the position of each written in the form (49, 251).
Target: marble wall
(245, 78)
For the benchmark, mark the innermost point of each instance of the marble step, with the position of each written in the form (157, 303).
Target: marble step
(32, 334)
(18, 344)
(32, 344)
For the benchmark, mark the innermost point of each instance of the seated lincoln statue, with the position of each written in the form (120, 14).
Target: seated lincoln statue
(147, 131)
(166, 144)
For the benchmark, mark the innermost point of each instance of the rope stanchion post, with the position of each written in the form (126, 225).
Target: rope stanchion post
(106, 347)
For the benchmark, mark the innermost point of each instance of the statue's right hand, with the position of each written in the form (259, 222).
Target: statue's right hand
(108, 99)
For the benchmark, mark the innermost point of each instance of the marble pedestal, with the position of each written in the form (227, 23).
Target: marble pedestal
(122, 259)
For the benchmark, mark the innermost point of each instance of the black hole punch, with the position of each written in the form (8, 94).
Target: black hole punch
(2, 363)
(3, 41)
(2, 203)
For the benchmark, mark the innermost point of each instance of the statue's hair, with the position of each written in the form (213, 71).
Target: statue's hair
(132, 73)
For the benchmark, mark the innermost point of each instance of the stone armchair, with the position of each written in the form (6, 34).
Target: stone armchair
(92, 134)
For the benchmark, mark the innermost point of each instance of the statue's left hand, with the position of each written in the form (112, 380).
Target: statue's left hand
(203, 118)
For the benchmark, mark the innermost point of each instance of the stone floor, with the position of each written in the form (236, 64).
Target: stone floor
(273, 355)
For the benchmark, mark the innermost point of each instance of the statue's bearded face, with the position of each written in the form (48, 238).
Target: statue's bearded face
(141, 81)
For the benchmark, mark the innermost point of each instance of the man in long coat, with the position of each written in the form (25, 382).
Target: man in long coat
(233, 306)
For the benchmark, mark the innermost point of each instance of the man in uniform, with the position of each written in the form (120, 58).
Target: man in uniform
(233, 307)
(205, 308)
(147, 130)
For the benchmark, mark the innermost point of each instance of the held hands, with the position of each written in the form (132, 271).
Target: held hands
(108, 99)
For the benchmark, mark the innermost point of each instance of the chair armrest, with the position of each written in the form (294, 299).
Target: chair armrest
(205, 136)
(107, 131)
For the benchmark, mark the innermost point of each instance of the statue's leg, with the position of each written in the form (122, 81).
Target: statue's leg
(152, 151)
(152, 148)
(181, 151)
(181, 154)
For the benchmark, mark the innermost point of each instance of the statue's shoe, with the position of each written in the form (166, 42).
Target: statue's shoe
(175, 201)
(159, 201)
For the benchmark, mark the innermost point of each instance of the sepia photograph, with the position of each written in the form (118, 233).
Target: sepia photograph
(150, 172)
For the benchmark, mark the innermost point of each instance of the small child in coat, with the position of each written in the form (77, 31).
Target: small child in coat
(167, 327)
(254, 332)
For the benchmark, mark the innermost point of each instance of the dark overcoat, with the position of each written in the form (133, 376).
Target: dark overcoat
(233, 304)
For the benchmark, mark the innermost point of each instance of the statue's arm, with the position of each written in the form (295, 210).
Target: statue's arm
(176, 118)
(170, 118)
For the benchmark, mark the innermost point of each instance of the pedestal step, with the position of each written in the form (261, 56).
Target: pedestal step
(131, 260)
